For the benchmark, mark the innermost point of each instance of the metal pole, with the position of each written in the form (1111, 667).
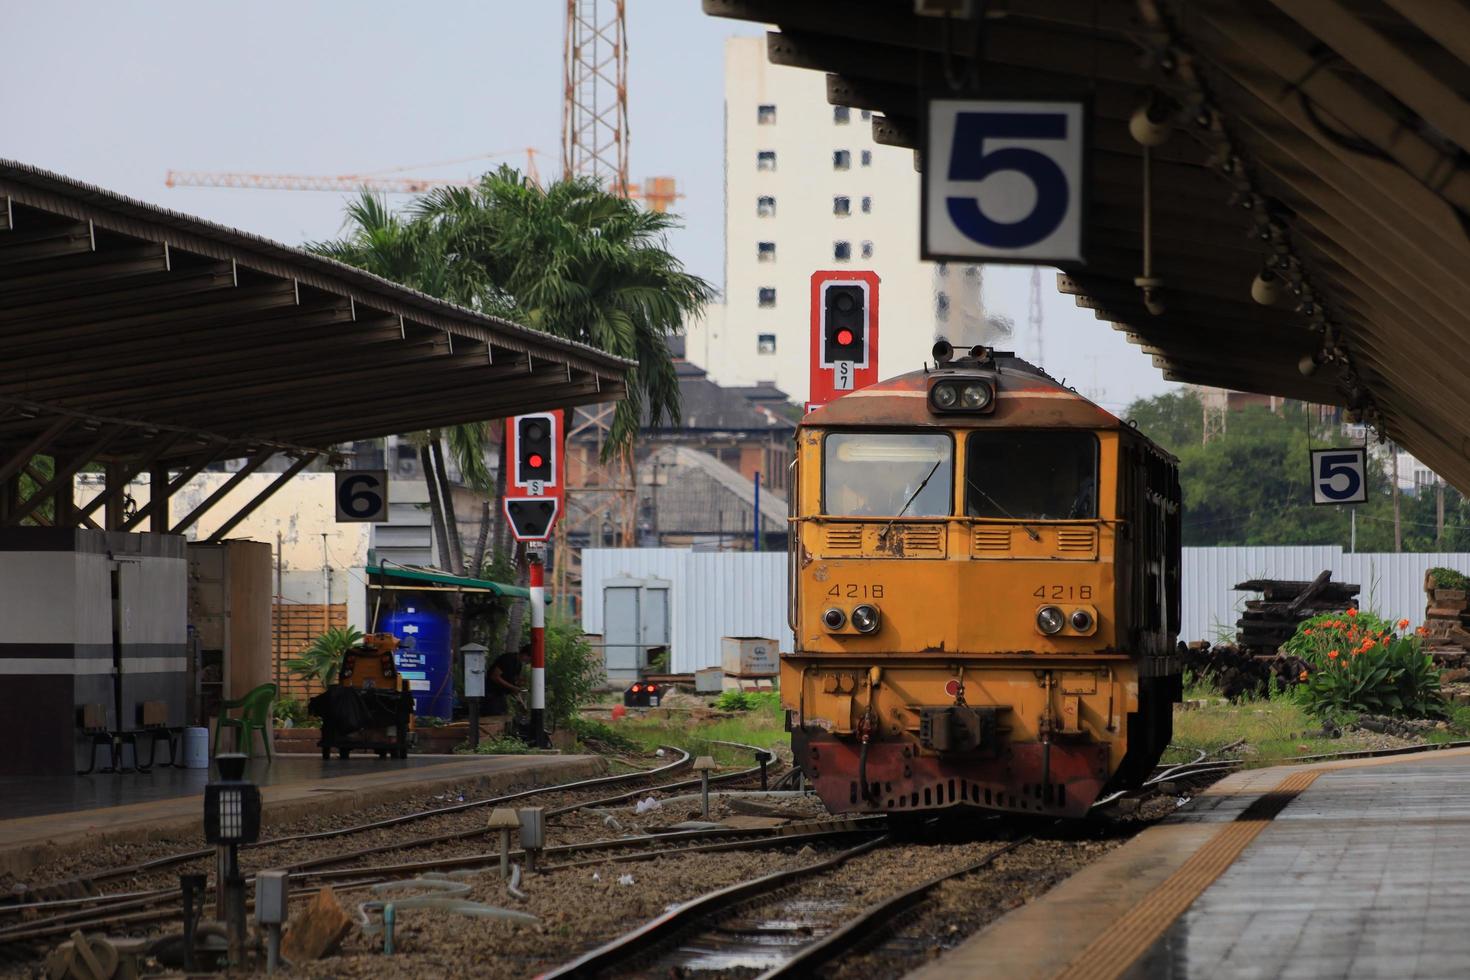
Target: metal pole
(757, 510)
(538, 647)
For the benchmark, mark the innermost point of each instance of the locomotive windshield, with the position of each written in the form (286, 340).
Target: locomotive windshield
(887, 474)
(1031, 475)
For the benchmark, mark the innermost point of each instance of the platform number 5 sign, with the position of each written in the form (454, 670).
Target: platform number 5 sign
(362, 496)
(1339, 476)
(1003, 181)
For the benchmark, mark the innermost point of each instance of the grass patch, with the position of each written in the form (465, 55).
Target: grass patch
(762, 726)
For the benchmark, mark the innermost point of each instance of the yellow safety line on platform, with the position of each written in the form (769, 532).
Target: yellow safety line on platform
(1108, 956)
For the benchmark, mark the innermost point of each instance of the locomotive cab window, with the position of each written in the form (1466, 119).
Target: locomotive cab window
(1037, 475)
(887, 474)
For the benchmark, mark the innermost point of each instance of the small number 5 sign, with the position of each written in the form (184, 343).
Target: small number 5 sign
(362, 496)
(1339, 476)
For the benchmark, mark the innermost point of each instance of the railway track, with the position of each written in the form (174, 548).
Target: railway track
(163, 904)
(747, 925)
(81, 905)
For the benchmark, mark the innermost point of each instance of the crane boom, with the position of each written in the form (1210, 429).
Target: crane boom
(306, 182)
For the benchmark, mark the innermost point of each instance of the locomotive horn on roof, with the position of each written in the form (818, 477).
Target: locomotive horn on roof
(943, 351)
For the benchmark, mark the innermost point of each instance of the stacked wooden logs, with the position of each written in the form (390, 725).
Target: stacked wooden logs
(1447, 621)
(1238, 673)
(1271, 620)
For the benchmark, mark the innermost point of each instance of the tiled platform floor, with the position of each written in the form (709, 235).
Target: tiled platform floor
(1364, 874)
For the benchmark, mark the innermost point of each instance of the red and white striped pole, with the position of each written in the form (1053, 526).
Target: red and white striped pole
(538, 647)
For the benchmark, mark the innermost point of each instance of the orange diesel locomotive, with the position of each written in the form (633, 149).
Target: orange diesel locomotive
(984, 592)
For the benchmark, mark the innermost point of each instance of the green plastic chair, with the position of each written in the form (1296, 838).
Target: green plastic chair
(255, 715)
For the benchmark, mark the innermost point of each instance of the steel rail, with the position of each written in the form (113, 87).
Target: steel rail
(875, 920)
(181, 857)
(650, 935)
(124, 913)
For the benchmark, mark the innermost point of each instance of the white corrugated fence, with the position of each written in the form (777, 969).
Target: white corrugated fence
(729, 593)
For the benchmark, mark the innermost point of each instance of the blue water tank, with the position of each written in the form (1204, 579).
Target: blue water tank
(423, 658)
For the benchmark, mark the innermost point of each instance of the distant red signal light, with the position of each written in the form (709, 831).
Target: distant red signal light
(652, 688)
(637, 688)
(844, 337)
(535, 460)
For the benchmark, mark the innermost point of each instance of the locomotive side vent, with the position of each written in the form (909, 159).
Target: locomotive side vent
(847, 538)
(991, 539)
(923, 537)
(1077, 540)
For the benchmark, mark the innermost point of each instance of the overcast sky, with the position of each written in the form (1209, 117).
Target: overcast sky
(116, 94)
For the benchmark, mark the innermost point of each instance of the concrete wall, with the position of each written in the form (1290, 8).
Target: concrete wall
(57, 649)
(322, 562)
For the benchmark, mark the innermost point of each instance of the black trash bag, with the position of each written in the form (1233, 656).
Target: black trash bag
(342, 709)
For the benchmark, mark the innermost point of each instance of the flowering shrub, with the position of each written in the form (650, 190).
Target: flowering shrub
(1361, 663)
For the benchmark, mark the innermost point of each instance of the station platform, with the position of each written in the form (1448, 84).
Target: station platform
(39, 816)
(1354, 868)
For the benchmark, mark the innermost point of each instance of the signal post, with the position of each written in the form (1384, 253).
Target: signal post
(532, 505)
(844, 352)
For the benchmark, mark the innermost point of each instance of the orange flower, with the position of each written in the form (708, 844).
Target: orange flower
(1303, 676)
(1352, 613)
(1422, 631)
(1307, 632)
(1332, 655)
(1384, 641)
(1403, 624)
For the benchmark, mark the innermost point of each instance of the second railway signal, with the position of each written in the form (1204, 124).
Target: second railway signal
(533, 501)
(844, 352)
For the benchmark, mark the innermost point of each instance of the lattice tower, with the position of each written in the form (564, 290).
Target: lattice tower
(594, 125)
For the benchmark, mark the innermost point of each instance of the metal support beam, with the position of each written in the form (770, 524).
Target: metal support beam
(116, 489)
(254, 463)
(158, 494)
(60, 486)
(113, 492)
(261, 498)
(191, 471)
(12, 467)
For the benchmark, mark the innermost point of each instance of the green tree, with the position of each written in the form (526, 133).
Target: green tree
(1251, 486)
(581, 264)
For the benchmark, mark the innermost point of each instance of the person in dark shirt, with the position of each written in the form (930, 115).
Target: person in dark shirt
(504, 680)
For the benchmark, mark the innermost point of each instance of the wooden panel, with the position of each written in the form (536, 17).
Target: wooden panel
(250, 598)
(296, 625)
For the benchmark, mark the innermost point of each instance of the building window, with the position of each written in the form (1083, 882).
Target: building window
(867, 158)
(765, 160)
(765, 115)
(841, 251)
(867, 205)
(765, 343)
(841, 206)
(941, 306)
(867, 115)
(765, 251)
(841, 115)
(767, 296)
(841, 160)
(765, 207)
(867, 250)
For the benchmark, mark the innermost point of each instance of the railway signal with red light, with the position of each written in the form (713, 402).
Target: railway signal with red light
(845, 324)
(534, 488)
(534, 434)
(642, 695)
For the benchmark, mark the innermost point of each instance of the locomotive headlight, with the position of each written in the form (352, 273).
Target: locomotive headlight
(865, 619)
(945, 396)
(1050, 620)
(834, 619)
(1081, 620)
(976, 396)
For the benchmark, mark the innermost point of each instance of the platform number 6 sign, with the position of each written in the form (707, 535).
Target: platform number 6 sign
(362, 496)
(1339, 476)
(1003, 180)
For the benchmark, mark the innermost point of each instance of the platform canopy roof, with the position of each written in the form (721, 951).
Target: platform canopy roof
(1327, 135)
(134, 334)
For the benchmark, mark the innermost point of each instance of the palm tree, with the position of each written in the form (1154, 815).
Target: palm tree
(581, 264)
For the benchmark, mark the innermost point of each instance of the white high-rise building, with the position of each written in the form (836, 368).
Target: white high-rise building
(806, 188)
